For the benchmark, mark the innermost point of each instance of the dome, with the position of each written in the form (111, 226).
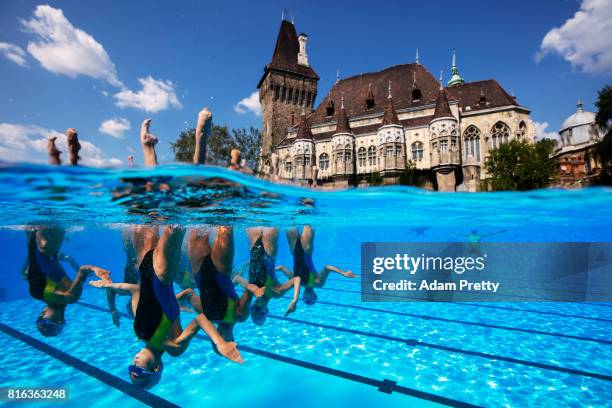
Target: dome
(579, 118)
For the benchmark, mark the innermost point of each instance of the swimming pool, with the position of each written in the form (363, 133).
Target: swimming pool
(338, 351)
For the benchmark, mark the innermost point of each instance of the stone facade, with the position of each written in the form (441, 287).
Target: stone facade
(370, 127)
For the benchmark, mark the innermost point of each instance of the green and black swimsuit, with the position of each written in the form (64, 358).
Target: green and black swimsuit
(262, 269)
(303, 266)
(217, 293)
(44, 273)
(157, 306)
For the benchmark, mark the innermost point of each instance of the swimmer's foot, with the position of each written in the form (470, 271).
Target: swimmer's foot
(349, 274)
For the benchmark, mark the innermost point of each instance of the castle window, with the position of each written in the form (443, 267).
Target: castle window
(417, 151)
(330, 108)
(522, 130)
(308, 96)
(443, 145)
(416, 95)
(348, 153)
(288, 167)
(324, 161)
(370, 103)
(276, 92)
(361, 156)
(398, 150)
(296, 97)
(471, 138)
(299, 161)
(339, 156)
(371, 155)
(307, 161)
(389, 151)
(302, 97)
(500, 133)
(290, 95)
(283, 94)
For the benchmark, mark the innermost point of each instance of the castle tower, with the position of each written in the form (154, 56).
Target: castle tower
(391, 141)
(343, 147)
(444, 143)
(287, 86)
(455, 77)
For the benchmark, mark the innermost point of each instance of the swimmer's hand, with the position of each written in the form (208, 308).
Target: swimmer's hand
(229, 349)
(99, 272)
(259, 292)
(292, 307)
(101, 283)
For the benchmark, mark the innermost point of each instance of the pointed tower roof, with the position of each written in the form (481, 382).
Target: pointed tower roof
(442, 107)
(303, 131)
(390, 115)
(285, 56)
(455, 77)
(341, 119)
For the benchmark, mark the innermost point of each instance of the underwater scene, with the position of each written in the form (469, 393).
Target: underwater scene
(181, 285)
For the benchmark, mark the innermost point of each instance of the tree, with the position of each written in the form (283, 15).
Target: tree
(603, 150)
(219, 145)
(520, 165)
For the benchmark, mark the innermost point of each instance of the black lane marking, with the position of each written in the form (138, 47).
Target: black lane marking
(417, 343)
(117, 383)
(385, 386)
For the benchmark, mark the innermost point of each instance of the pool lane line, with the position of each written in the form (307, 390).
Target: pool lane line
(514, 309)
(418, 343)
(385, 385)
(487, 325)
(115, 382)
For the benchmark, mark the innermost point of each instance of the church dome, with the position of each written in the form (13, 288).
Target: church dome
(579, 118)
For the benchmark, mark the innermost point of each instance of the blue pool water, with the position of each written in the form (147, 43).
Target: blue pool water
(535, 354)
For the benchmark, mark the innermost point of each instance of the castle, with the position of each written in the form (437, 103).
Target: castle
(372, 127)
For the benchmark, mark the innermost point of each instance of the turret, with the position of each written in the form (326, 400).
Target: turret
(455, 77)
(303, 150)
(444, 142)
(390, 140)
(343, 145)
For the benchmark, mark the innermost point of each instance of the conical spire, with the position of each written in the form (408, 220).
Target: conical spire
(455, 77)
(303, 131)
(337, 75)
(341, 119)
(442, 107)
(390, 115)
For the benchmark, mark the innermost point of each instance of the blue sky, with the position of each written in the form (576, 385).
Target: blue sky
(79, 64)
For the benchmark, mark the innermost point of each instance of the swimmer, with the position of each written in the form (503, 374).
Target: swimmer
(53, 152)
(237, 164)
(72, 139)
(302, 248)
(156, 310)
(212, 267)
(48, 282)
(148, 142)
(474, 239)
(202, 132)
(262, 273)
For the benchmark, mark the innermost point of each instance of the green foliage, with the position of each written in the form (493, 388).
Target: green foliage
(411, 176)
(374, 179)
(603, 150)
(219, 145)
(520, 165)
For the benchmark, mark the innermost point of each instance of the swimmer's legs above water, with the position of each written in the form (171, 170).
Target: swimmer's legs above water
(148, 142)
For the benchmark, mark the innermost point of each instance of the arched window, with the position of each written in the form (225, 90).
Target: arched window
(283, 94)
(348, 153)
(471, 138)
(522, 130)
(276, 92)
(290, 95)
(361, 156)
(339, 156)
(500, 133)
(323, 161)
(371, 155)
(443, 145)
(417, 151)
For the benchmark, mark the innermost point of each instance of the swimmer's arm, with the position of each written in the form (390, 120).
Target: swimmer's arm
(282, 289)
(284, 270)
(178, 346)
(73, 293)
(70, 260)
(296, 295)
(254, 289)
(492, 233)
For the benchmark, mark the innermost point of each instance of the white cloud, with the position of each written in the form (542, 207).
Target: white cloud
(64, 49)
(583, 40)
(250, 103)
(115, 127)
(541, 133)
(28, 143)
(13, 53)
(155, 95)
